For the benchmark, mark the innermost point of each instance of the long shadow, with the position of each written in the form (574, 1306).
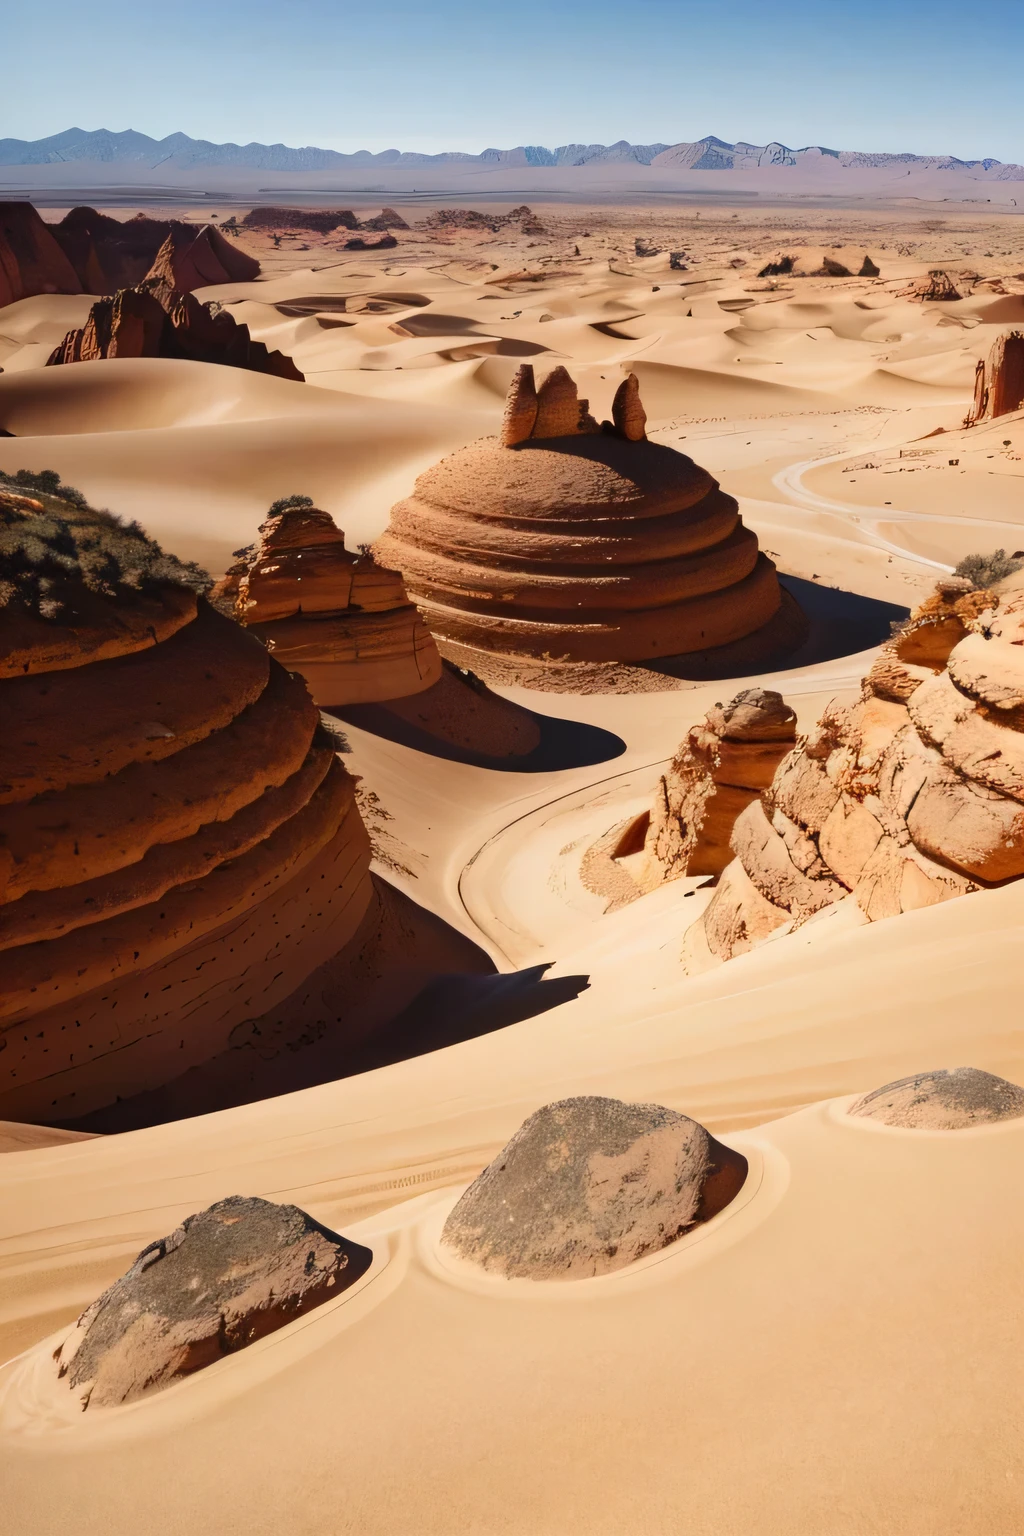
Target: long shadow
(563, 743)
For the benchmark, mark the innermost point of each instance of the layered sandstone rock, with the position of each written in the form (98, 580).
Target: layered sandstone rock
(185, 262)
(587, 1186)
(31, 260)
(339, 618)
(912, 796)
(226, 1277)
(563, 540)
(999, 379)
(724, 764)
(179, 845)
(157, 320)
(108, 254)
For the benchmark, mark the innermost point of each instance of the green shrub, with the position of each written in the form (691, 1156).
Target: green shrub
(47, 481)
(986, 570)
(289, 504)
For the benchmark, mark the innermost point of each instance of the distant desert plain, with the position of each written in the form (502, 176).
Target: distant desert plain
(570, 873)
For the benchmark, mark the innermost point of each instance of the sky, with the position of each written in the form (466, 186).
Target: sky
(925, 76)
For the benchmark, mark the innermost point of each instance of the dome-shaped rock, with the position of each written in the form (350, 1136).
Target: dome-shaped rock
(563, 541)
(226, 1277)
(179, 844)
(339, 618)
(911, 797)
(587, 1185)
(943, 1101)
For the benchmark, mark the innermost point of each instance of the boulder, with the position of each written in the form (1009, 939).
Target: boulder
(588, 1185)
(944, 1100)
(228, 1276)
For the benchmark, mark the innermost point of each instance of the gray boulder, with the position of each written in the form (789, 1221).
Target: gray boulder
(228, 1276)
(945, 1100)
(587, 1185)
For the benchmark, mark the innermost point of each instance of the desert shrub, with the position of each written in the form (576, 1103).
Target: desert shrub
(289, 504)
(48, 558)
(986, 570)
(47, 481)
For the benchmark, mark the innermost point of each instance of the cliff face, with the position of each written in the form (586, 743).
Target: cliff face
(179, 846)
(999, 379)
(913, 796)
(157, 320)
(31, 260)
(339, 618)
(568, 541)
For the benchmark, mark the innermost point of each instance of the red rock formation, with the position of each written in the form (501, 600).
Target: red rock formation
(31, 261)
(386, 219)
(155, 320)
(913, 796)
(184, 263)
(179, 845)
(383, 243)
(937, 287)
(340, 619)
(999, 380)
(320, 220)
(576, 542)
(109, 254)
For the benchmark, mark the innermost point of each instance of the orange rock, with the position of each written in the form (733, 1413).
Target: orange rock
(31, 261)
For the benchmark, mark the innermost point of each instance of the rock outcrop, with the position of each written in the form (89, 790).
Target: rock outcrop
(944, 1100)
(321, 221)
(341, 620)
(999, 379)
(179, 844)
(723, 765)
(587, 1186)
(157, 320)
(937, 287)
(31, 260)
(563, 540)
(226, 1277)
(108, 254)
(910, 797)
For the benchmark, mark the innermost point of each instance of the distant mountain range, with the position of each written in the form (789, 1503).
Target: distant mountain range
(178, 152)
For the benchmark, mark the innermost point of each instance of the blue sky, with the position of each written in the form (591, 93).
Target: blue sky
(918, 75)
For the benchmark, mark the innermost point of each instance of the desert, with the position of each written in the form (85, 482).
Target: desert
(510, 877)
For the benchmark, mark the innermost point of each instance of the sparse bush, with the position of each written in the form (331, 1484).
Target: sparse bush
(289, 504)
(49, 559)
(986, 570)
(47, 481)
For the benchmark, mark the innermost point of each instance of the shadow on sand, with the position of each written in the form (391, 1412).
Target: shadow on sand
(562, 744)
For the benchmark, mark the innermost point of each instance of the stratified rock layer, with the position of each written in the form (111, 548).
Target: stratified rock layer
(911, 797)
(564, 541)
(226, 1277)
(179, 844)
(341, 620)
(943, 1100)
(724, 764)
(588, 1185)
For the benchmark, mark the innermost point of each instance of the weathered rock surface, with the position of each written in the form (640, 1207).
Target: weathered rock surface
(226, 1277)
(722, 766)
(177, 837)
(157, 320)
(340, 619)
(588, 1185)
(999, 378)
(31, 260)
(945, 1100)
(913, 796)
(109, 254)
(565, 541)
(320, 220)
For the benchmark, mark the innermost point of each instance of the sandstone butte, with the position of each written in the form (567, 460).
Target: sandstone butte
(569, 541)
(999, 379)
(157, 319)
(90, 252)
(340, 619)
(910, 797)
(179, 843)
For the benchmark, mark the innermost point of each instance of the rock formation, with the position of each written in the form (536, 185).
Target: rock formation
(338, 618)
(179, 845)
(910, 797)
(937, 287)
(157, 320)
(563, 540)
(321, 221)
(587, 1186)
(723, 765)
(108, 254)
(226, 1277)
(999, 380)
(385, 220)
(31, 261)
(383, 242)
(943, 1101)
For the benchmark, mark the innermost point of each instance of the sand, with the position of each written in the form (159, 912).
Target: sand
(832, 1352)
